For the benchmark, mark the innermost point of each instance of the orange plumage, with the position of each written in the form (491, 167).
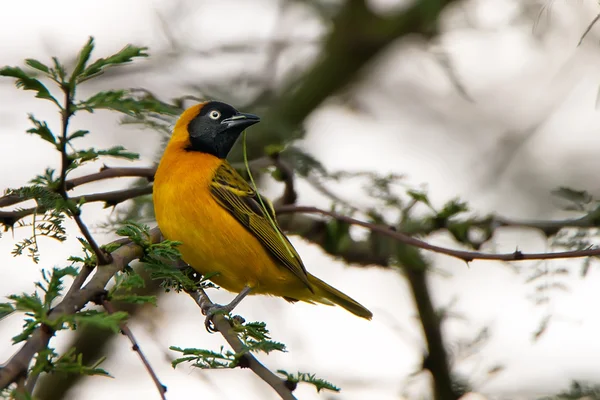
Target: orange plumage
(201, 201)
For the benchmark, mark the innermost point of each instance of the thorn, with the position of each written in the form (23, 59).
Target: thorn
(291, 385)
(243, 361)
(518, 255)
(100, 298)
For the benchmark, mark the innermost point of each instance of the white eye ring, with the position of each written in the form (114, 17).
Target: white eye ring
(214, 114)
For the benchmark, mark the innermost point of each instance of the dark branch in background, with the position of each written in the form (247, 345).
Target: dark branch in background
(357, 37)
(72, 302)
(588, 29)
(162, 389)
(466, 256)
(223, 326)
(286, 174)
(92, 342)
(436, 359)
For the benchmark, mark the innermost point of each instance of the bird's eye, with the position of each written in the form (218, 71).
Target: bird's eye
(214, 114)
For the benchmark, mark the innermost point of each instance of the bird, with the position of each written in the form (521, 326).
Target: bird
(227, 231)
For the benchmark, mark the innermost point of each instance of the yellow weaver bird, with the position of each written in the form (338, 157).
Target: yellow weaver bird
(202, 201)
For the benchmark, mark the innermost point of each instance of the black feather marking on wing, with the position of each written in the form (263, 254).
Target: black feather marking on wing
(235, 195)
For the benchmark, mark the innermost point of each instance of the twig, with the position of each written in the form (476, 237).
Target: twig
(225, 329)
(162, 389)
(101, 256)
(71, 303)
(589, 28)
(111, 198)
(289, 195)
(466, 256)
(105, 173)
(113, 172)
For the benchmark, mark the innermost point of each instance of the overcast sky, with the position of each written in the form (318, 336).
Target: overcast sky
(533, 126)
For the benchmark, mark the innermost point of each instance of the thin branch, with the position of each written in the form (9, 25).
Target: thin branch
(104, 173)
(286, 172)
(589, 28)
(113, 172)
(102, 257)
(111, 198)
(225, 329)
(466, 256)
(162, 389)
(71, 303)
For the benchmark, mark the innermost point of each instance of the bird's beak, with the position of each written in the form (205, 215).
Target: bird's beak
(241, 121)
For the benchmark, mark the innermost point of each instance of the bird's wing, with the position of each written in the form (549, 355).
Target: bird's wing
(234, 194)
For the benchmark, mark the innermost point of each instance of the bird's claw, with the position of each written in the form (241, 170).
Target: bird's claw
(210, 312)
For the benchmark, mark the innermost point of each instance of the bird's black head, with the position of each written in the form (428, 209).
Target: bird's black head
(216, 128)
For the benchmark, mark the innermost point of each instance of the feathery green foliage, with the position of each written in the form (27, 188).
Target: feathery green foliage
(319, 384)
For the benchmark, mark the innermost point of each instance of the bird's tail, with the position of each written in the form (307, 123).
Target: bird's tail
(330, 294)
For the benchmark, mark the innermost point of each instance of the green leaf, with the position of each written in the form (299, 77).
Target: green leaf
(6, 309)
(134, 299)
(123, 102)
(26, 82)
(205, 359)
(101, 320)
(58, 72)
(420, 197)
(82, 59)
(48, 361)
(319, 384)
(53, 285)
(80, 157)
(265, 346)
(35, 64)
(42, 130)
(125, 55)
(77, 134)
(452, 208)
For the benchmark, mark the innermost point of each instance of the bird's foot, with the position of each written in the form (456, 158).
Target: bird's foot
(210, 312)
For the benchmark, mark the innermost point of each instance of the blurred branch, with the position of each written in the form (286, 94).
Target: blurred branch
(436, 359)
(162, 389)
(466, 256)
(358, 35)
(72, 302)
(588, 29)
(92, 343)
(286, 174)
(224, 327)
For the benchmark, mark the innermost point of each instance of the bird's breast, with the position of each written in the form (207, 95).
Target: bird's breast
(213, 241)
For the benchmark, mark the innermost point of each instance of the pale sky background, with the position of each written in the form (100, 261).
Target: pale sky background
(411, 120)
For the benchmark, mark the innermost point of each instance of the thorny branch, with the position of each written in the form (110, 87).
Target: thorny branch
(162, 389)
(284, 206)
(466, 256)
(224, 327)
(72, 302)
